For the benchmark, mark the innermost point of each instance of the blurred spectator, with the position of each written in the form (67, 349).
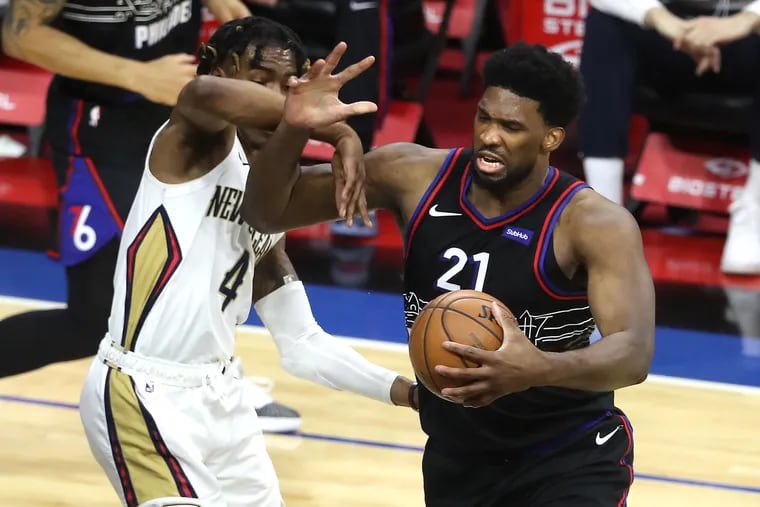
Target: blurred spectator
(673, 46)
(118, 67)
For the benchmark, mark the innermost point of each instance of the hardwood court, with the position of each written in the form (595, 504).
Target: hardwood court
(687, 436)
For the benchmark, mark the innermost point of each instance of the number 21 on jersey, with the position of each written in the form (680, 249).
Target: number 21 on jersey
(460, 259)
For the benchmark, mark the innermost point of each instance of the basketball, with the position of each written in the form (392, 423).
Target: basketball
(463, 316)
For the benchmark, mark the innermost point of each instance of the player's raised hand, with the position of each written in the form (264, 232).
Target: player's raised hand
(515, 366)
(313, 101)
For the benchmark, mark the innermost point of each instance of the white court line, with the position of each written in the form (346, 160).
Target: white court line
(401, 348)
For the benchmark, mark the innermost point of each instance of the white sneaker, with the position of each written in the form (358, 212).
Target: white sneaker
(274, 417)
(741, 252)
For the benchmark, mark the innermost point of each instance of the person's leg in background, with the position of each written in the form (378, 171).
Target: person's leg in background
(359, 25)
(741, 252)
(618, 56)
(32, 340)
(608, 66)
(87, 241)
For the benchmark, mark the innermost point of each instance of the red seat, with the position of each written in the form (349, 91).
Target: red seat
(23, 89)
(690, 172)
(462, 16)
(400, 125)
(27, 181)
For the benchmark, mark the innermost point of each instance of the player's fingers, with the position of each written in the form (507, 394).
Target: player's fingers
(333, 59)
(716, 60)
(354, 70)
(349, 191)
(340, 184)
(240, 10)
(505, 320)
(479, 401)
(468, 352)
(465, 393)
(361, 107)
(184, 58)
(703, 65)
(315, 69)
(363, 210)
(358, 202)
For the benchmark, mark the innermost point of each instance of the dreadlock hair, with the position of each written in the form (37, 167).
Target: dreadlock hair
(533, 72)
(232, 39)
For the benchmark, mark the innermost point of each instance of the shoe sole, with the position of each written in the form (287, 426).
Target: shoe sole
(280, 424)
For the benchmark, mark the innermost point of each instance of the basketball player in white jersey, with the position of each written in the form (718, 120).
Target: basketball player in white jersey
(164, 410)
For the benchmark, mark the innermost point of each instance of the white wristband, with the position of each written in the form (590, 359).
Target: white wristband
(306, 351)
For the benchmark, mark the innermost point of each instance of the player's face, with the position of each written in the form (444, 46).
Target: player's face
(509, 138)
(273, 67)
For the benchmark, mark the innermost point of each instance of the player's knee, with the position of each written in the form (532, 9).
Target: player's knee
(172, 502)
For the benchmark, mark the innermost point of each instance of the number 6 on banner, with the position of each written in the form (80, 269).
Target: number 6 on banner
(83, 235)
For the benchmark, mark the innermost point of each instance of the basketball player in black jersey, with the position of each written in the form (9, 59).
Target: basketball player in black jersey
(498, 217)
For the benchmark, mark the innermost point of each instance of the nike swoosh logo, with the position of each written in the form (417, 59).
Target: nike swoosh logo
(360, 6)
(435, 213)
(601, 440)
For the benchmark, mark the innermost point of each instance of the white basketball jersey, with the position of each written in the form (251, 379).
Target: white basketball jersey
(184, 276)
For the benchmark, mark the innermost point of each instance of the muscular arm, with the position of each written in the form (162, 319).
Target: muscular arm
(210, 104)
(306, 351)
(28, 36)
(280, 195)
(621, 295)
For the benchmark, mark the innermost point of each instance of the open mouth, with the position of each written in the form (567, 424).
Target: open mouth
(489, 163)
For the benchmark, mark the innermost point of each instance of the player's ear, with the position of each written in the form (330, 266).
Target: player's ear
(553, 137)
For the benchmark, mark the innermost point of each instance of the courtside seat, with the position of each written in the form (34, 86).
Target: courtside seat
(696, 153)
(28, 182)
(23, 89)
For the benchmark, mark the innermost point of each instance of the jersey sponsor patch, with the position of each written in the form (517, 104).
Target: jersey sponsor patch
(88, 221)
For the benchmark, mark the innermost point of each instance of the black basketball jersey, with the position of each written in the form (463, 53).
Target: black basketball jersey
(451, 246)
(135, 29)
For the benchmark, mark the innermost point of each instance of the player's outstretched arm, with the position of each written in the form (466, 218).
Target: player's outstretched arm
(281, 197)
(211, 104)
(622, 299)
(307, 351)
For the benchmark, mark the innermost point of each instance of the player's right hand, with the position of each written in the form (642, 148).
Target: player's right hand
(162, 79)
(349, 174)
(313, 101)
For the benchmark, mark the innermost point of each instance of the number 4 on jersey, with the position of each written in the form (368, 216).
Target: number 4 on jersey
(460, 259)
(232, 280)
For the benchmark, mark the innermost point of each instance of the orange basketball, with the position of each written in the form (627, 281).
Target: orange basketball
(463, 316)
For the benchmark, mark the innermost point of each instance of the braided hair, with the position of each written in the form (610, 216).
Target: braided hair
(233, 38)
